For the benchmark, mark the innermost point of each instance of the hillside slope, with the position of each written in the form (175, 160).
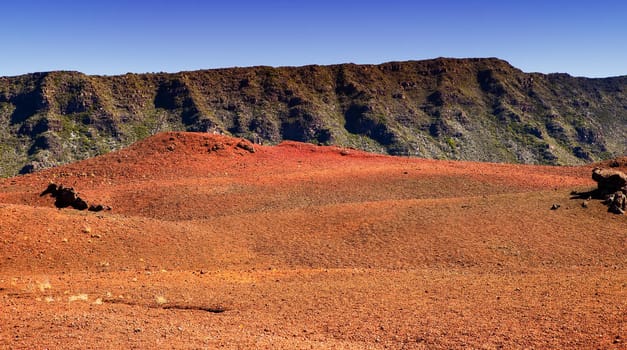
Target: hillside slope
(213, 244)
(462, 109)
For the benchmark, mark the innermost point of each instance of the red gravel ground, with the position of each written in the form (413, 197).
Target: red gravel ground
(297, 246)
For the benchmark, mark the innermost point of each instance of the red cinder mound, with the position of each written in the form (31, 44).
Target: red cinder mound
(191, 143)
(215, 242)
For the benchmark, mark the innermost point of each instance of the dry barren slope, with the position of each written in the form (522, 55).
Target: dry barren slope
(300, 246)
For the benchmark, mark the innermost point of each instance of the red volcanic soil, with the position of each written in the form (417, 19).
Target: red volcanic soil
(298, 246)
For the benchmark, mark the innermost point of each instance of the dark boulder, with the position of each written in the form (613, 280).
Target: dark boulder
(612, 186)
(98, 207)
(617, 202)
(609, 180)
(67, 197)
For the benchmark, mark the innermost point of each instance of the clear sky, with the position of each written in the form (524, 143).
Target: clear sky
(582, 38)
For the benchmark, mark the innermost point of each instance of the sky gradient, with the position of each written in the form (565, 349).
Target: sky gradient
(582, 38)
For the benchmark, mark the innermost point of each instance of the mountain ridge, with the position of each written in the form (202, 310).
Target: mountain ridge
(480, 109)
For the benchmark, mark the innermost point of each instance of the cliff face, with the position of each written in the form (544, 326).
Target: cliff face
(466, 109)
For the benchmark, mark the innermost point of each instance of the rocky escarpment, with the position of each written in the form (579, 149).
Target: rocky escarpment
(467, 109)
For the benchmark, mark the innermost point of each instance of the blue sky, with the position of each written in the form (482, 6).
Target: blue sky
(582, 38)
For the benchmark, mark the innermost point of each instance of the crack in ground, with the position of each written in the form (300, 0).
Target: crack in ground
(211, 309)
(215, 310)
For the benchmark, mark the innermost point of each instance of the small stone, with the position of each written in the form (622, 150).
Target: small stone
(555, 206)
(217, 147)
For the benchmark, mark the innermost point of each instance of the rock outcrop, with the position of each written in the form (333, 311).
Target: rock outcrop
(612, 187)
(67, 197)
(609, 180)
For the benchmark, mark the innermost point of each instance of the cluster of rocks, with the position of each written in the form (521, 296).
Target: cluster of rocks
(612, 188)
(246, 146)
(67, 197)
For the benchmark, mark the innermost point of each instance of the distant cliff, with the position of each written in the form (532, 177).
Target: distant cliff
(470, 109)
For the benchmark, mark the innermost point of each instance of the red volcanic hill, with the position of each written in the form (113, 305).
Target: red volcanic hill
(213, 241)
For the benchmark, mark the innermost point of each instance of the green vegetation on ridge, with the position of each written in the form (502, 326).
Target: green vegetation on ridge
(466, 109)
